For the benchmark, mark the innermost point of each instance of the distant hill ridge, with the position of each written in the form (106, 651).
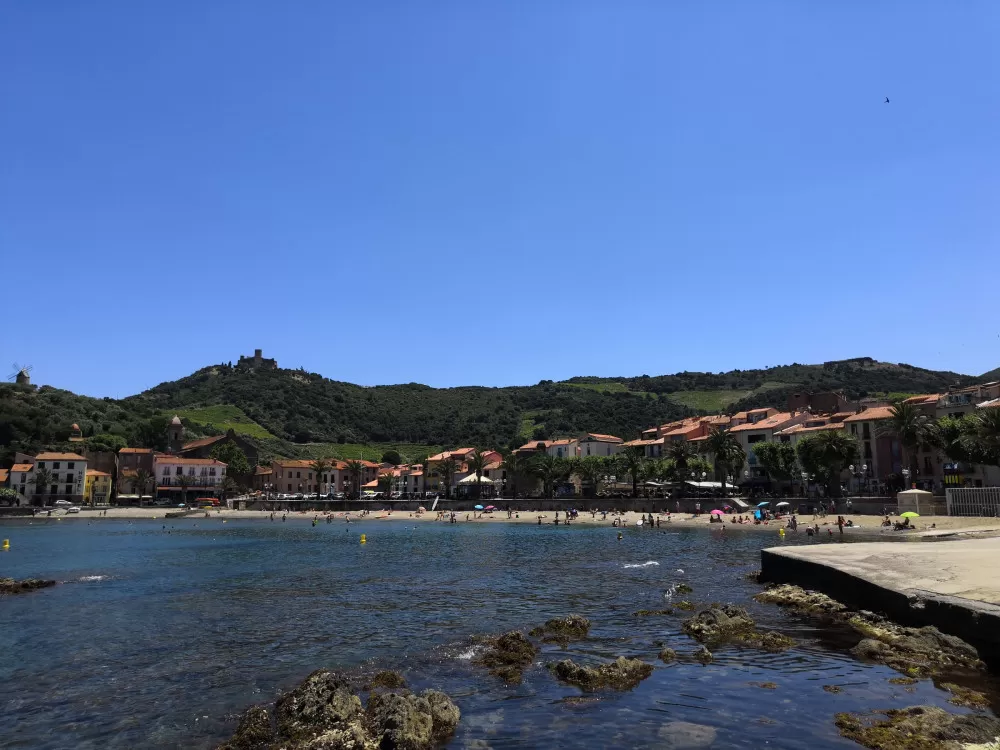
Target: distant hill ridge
(288, 411)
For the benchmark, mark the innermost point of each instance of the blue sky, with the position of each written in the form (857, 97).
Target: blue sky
(495, 193)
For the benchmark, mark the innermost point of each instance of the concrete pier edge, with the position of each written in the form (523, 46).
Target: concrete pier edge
(977, 623)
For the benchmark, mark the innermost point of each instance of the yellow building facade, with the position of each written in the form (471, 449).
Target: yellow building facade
(97, 490)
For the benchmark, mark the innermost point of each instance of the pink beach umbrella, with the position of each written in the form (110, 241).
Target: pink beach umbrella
(717, 512)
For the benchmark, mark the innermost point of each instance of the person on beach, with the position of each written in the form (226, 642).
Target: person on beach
(840, 525)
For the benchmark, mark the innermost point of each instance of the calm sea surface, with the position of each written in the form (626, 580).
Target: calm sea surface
(160, 637)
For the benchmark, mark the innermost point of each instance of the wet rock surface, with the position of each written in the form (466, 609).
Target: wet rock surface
(322, 713)
(685, 735)
(966, 697)
(386, 679)
(12, 586)
(718, 623)
(704, 655)
(621, 674)
(668, 655)
(562, 629)
(800, 600)
(652, 612)
(766, 640)
(508, 655)
(917, 728)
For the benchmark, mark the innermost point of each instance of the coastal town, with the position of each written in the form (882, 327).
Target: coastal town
(818, 445)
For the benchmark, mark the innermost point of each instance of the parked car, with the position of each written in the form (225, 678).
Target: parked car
(72, 509)
(162, 503)
(62, 503)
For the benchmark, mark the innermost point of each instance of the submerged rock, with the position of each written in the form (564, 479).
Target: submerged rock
(704, 655)
(621, 674)
(766, 640)
(684, 605)
(11, 586)
(562, 629)
(668, 655)
(917, 652)
(764, 685)
(833, 688)
(682, 588)
(967, 697)
(800, 600)
(683, 735)
(387, 679)
(652, 612)
(718, 623)
(508, 655)
(917, 728)
(903, 681)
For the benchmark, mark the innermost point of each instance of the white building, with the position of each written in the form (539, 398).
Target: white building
(203, 475)
(593, 444)
(68, 475)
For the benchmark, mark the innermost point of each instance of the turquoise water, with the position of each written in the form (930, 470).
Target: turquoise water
(159, 637)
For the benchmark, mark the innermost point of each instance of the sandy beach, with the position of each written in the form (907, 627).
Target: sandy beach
(863, 524)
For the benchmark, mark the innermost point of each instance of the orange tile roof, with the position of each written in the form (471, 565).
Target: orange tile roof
(604, 438)
(758, 411)
(3, 475)
(59, 457)
(796, 429)
(492, 466)
(294, 463)
(188, 461)
(718, 419)
(740, 415)
(876, 412)
(534, 444)
(22, 467)
(923, 399)
(563, 441)
(202, 442)
(135, 450)
(769, 423)
(96, 473)
(261, 470)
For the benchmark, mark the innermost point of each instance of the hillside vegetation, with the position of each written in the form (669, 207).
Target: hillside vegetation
(300, 414)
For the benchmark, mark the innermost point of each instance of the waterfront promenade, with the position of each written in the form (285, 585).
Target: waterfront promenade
(950, 584)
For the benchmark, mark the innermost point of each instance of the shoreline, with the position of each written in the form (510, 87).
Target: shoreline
(869, 526)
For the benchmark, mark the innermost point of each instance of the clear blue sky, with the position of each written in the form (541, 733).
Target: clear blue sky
(495, 193)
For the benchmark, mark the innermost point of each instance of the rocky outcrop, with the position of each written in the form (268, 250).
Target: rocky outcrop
(621, 674)
(917, 728)
(965, 697)
(704, 655)
(668, 655)
(562, 629)
(800, 600)
(766, 640)
(322, 713)
(386, 679)
(508, 655)
(917, 652)
(11, 586)
(718, 623)
(652, 612)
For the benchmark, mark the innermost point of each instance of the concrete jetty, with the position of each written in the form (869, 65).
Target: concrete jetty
(953, 585)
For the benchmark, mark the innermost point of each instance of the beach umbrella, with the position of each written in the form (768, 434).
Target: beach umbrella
(491, 507)
(422, 509)
(761, 505)
(479, 507)
(909, 514)
(716, 512)
(782, 505)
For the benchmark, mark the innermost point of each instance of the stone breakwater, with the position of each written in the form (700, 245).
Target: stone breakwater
(11, 586)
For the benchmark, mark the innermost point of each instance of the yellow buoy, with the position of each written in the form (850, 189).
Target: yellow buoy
(781, 533)
(6, 543)
(363, 540)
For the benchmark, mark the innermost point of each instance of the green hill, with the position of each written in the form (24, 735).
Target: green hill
(296, 413)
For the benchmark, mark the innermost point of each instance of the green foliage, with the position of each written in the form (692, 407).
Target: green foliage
(518, 468)
(550, 471)
(591, 470)
(826, 454)
(223, 417)
(913, 428)
(233, 456)
(982, 436)
(631, 461)
(392, 456)
(107, 442)
(777, 459)
(726, 452)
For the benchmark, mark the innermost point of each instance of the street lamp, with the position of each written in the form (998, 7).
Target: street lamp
(906, 479)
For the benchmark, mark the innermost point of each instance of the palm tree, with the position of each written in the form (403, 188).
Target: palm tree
(321, 466)
(549, 471)
(141, 482)
(913, 428)
(42, 478)
(354, 469)
(183, 481)
(516, 465)
(446, 468)
(728, 453)
(591, 470)
(983, 438)
(385, 482)
(680, 452)
(477, 463)
(828, 453)
(631, 459)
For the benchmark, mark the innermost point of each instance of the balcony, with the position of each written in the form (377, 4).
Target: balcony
(194, 482)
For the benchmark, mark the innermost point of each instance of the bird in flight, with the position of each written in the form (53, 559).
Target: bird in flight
(887, 100)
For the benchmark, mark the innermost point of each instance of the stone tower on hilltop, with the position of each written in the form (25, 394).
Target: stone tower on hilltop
(175, 435)
(257, 361)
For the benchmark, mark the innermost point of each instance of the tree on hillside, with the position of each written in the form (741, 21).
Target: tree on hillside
(630, 461)
(550, 471)
(354, 470)
(229, 487)
(446, 469)
(320, 467)
(392, 456)
(232, 456)
(152, 433)
(777, 459)
(913, 429)
(591, 470)
(42, 478)
(517, 466)
(826, 454)
(477, 463)
(106, 442)
(726, 451)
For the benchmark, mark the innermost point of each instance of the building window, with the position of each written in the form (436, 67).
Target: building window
(69, 465)
(868, 449)
(211, 472)
(751, 439)
(179, 471)
(69, 478)
(41, 464)
(289, 486)
(55, 465)
(866, 431)
(854, 429)
(298, 475)
(69, 489)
